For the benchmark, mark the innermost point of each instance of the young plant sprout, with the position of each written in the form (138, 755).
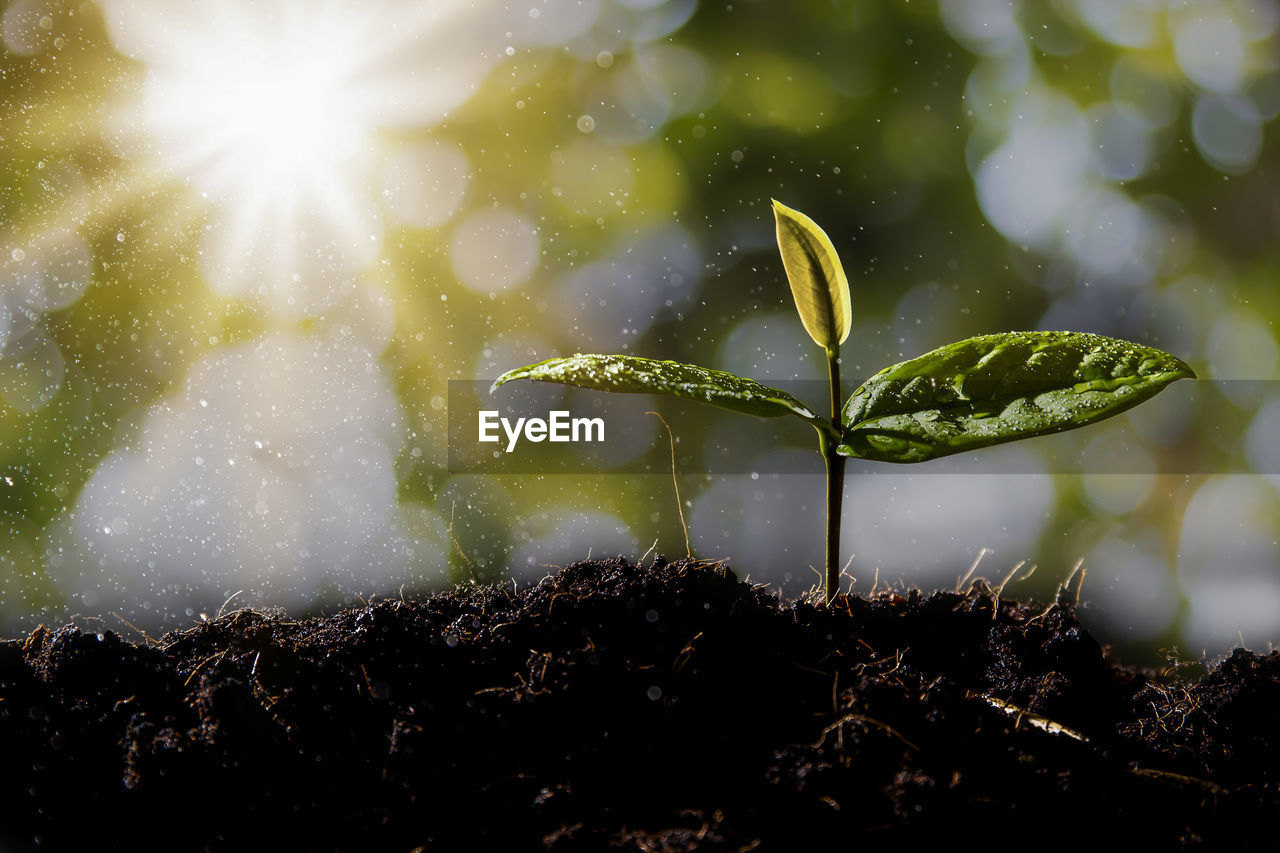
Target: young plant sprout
(974, 393)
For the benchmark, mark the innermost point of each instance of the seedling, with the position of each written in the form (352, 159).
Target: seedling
(974, 393)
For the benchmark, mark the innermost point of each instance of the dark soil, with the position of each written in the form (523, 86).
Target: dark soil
(613, 707)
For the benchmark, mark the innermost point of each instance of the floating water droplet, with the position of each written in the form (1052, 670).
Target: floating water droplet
(586, 123)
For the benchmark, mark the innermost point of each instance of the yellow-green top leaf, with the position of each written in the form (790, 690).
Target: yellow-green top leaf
(818, 282)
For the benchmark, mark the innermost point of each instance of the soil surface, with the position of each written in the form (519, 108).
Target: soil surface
(669, 707)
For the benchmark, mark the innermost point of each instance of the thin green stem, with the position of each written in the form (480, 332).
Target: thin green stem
(835, 478)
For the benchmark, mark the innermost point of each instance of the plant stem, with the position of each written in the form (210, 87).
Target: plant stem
(835, 478)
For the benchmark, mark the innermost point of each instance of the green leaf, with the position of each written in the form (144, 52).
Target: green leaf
(818, 282)
(997, 388)
(632, 375)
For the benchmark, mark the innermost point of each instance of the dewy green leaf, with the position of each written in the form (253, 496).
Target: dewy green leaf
(818, 282)
(632, 375)
(997, 388)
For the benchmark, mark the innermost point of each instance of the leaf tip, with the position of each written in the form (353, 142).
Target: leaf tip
(781, 211)
(1180, 370)
(503, 379)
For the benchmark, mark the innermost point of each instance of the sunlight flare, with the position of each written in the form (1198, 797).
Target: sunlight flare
(277, 115)
(267, 113)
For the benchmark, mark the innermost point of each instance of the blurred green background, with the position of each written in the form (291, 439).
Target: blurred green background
(246, 246)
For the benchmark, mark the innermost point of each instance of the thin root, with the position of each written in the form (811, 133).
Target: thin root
(982, 552)
(870, 721)
(150, 639)
(671, 439)
(1020, 714)
(230, 598)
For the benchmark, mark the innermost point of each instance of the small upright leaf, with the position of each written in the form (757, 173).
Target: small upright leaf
(818, 282)
(633, 375)
(996, 388)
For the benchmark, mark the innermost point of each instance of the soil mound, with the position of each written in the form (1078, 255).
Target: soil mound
(616, 707)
